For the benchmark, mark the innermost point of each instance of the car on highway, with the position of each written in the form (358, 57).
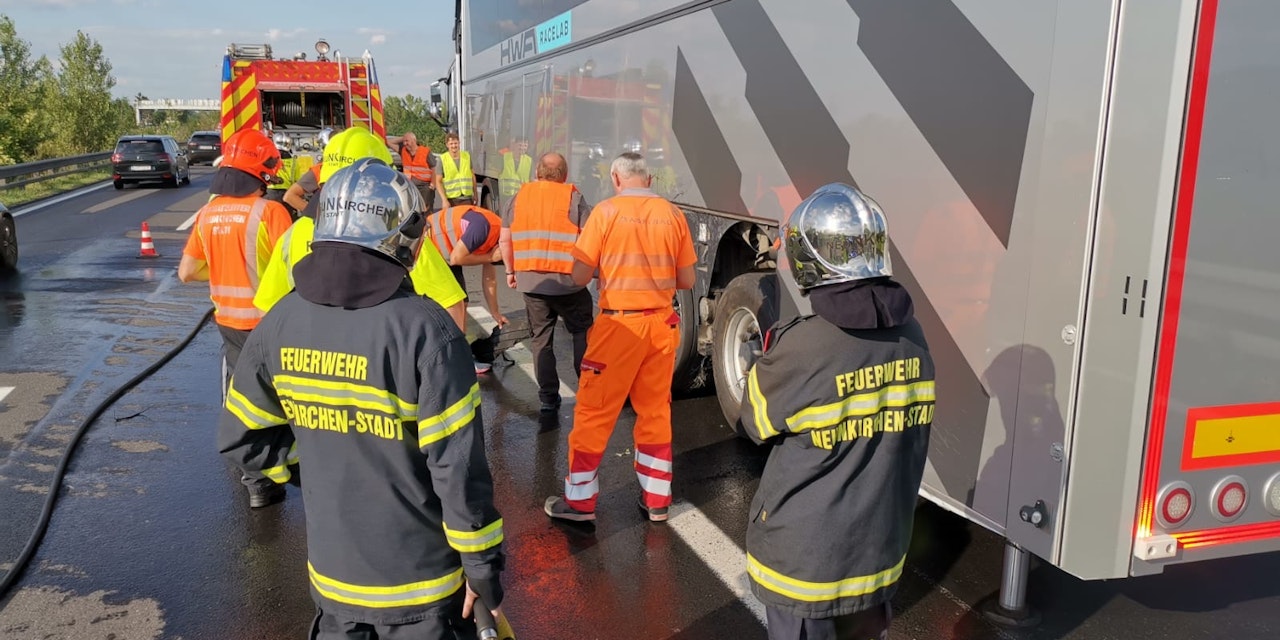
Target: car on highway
(149, 158)
(204, 147)
(8, 241)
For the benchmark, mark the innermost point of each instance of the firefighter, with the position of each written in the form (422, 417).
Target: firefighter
(517, 168)
(420, 165)
(430, 273)
(846, 396)
(291, 168)
(308, 184)
(355, 374)
(641, 245)
(468, 235)
(229, 246)
(539, 226)
(458, 181)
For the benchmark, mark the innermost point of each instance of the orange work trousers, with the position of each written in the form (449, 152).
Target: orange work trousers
(628, 354)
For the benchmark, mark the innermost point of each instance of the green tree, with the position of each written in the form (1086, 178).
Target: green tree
(22, 126)
(84, 120)
(411, 113)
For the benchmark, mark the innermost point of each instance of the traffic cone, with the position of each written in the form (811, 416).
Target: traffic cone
(148, 248)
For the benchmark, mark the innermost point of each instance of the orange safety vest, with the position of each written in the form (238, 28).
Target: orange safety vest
(446, 229)
(542, 235)
(237, 236)
(417, 166)
(638, 253)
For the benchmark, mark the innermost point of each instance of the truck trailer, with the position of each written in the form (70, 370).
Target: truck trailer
(1079, 201)
(297, 97)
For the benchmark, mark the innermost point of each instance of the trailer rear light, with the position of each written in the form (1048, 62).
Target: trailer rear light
(1271, 495)
(1175, 504)
(1230, 498)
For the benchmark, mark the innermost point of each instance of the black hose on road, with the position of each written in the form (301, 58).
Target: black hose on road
(46, 513)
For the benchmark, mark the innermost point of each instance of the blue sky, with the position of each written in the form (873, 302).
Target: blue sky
(174, 48)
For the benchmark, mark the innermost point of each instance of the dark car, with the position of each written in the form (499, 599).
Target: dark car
(204, 147)
(149, 159)
(8, 241)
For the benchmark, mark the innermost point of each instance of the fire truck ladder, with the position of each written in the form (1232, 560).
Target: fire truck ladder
(359, 79)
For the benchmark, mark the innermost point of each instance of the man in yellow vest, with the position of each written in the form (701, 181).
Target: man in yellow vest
(517, 168)
(291, 168)
(539, 227)
(430, 273)
(420, 166)
(459, 181)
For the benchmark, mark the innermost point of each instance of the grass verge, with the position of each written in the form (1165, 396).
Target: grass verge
(18, 196)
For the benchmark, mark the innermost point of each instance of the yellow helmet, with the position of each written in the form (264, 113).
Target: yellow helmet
(348, 146)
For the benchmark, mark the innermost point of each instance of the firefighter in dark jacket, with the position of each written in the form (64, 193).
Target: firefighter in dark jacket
(845, 395)
(372, 387)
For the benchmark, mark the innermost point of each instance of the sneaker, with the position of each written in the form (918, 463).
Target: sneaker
(550, 407)
(265, 495)
(482, 367)
(557, 508)
(656, 514)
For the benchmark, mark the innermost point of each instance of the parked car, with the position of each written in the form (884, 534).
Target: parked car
(204, 147)
(8, 241)
(148, 159)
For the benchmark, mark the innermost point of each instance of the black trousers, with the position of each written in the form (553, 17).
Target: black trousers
(446, 624)
(427, 191)
(462, 280)
(543, 310)
(872, 624)
(232, 344)
(453, 202)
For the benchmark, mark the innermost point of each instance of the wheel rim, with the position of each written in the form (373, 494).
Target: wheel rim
(738, 350)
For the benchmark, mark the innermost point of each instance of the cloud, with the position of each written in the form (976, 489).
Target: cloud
(380, 38)
(275, 35)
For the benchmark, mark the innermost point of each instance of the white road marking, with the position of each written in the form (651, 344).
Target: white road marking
(59, 199)
(5, 391)
(119, 200)
(190, 221)
(716, 550)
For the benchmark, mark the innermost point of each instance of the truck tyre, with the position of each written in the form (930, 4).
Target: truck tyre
(746, 309)
(690, 370)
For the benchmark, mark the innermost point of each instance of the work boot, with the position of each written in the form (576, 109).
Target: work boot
(550, 407)
(656, 514)
(265, 495)
(557, 508)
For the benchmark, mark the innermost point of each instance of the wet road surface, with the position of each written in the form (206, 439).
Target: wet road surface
(152, 537)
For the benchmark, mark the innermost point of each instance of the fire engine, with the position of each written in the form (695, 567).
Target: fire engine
(298, 97)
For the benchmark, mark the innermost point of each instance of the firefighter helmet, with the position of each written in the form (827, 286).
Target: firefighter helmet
(351, 145)
(325, 135)
(374, 206)
(252, 152)
(838, 234)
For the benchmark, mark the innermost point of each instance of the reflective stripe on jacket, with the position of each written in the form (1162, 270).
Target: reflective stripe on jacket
(849, 413)
(542, 235)
(458, 178)
(237, 236)
(387, 395)
(635, 242)
(417, 166)
(446, 229)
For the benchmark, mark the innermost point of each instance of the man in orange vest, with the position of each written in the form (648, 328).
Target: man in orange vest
(422, 168)
(640, 244)
(229, 247)
(468, 235)
(539, 227)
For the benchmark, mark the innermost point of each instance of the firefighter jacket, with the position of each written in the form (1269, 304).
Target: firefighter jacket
(849, 415)
(383, 407)
(542, 233)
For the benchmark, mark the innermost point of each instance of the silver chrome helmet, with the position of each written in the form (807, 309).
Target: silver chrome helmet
(282, 140)
(374, 206)
(836, 235)
(324, 136)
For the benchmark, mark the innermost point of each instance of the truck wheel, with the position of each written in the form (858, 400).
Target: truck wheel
(690, 371)
(8, 245)
(746, 309)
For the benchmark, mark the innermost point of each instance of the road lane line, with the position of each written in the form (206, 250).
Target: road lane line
(716, 550)
(5, 391)
(59, 199)
(190, 221)
(119, 200)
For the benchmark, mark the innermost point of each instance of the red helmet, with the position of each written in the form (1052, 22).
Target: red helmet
(252, 152)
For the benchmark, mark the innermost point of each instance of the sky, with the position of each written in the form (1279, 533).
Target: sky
(174, 48)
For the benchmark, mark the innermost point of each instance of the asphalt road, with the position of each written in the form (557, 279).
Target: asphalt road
(152, 537)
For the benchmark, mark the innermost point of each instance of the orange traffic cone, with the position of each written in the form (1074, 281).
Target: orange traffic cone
(148, 248)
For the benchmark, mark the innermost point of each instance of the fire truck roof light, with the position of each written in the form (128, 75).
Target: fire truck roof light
(322, 47)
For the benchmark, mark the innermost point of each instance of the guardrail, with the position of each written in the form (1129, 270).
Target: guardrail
(21, 175)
